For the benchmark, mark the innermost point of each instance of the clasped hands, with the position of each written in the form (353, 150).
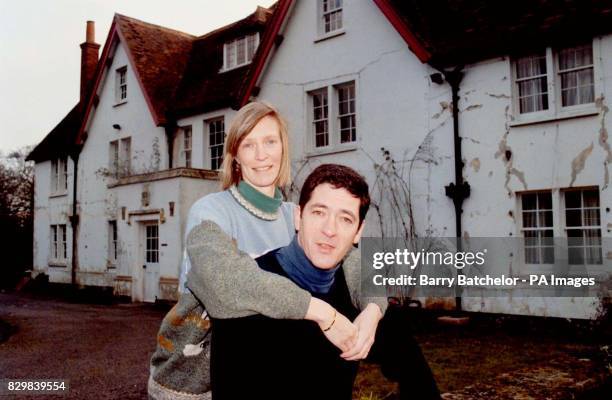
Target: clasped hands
(356, 338)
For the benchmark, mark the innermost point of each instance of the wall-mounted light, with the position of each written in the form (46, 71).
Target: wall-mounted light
(117, 126)
(437, 78)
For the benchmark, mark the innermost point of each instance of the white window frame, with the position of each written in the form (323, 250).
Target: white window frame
(59, 176)
(335, 7)
(231, 48)
(209, 146)
(333, 118)
(151, 249)
(121, 94)
(555, 109)
(120, 157)
(559, 233)
(186, 146)
(113, 243)
(538, 228)
(583, 227)
(58, 244)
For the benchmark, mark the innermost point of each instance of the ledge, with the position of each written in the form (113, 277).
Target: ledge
(525, 120)
(60, 194)
(330, 35)
(331, 150)
(167, 174)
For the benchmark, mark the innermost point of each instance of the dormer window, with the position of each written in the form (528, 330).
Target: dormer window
(239, 52)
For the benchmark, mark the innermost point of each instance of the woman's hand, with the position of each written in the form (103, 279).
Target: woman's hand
(366, 323)
(342, 332)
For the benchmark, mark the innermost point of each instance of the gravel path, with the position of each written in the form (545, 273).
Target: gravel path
(103, 350)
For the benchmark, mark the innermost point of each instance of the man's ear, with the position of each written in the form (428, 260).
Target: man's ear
(359, 232)
(297, 213)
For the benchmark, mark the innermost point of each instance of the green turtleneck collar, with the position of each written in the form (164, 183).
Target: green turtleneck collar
(259, 200)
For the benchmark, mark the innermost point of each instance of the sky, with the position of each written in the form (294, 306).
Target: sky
(40, 57)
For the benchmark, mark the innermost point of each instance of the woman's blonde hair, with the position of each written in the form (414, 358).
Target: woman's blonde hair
(242, 124)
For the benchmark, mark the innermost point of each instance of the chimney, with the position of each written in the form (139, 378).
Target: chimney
(89, 59)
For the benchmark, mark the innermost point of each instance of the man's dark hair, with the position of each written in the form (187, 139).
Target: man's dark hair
(340, 177)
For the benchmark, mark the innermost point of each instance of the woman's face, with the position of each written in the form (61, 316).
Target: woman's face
(259, 155)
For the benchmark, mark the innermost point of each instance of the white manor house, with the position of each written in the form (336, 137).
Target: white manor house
(479, 122)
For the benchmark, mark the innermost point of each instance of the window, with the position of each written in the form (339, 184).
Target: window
(239, 52)
(576, 74)
(152, 246)
(121, 85)
(186, 146)
(120, 154)
(537, 229)
(112, 241)
(583, 226)
(346, 112)
(320, 119)
(331, 16)
(532, 83)
(333, 123)
(580, 211)
(216, 137)
(553, 80)
(125, 156)
(58, 243)
(59, 176)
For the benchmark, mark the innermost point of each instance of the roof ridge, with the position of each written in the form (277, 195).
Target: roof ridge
(169, 30)
(231, 24)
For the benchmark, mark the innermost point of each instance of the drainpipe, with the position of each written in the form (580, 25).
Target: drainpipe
(459, 190)
(74, 218)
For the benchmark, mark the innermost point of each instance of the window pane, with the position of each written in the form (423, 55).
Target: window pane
(575, 255)
(531, 66)
(594, 255)
(545, 201)
(545, 219)
(572, 199)
(530, 219)
(529, 201)
(573, 217)
(241, 51)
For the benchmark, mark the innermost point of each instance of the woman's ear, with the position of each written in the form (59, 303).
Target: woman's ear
(297, 213)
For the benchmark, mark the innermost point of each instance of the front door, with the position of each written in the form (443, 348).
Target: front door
(151, 261)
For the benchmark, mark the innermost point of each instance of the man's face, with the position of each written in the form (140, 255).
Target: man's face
(328, 225)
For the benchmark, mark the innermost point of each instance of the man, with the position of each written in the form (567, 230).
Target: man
(261, 357)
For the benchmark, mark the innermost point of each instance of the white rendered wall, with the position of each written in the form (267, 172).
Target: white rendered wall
(51, 210)
(395, 106)
(148, 154)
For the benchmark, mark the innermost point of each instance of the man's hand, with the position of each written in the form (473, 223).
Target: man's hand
(366, 323)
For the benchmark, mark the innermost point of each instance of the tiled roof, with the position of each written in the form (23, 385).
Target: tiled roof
(203, 88)
(159, 55)
(61, 140)
(464, 31)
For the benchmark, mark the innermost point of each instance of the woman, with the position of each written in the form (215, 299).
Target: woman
(245, 220)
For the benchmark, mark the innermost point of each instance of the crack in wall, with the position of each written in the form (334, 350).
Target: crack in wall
(505, 152)
(473, 107)
(497, 96)
(579, 162)
(328, 79)
(603, 137)
(445, 106)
